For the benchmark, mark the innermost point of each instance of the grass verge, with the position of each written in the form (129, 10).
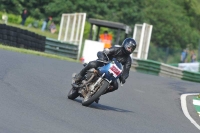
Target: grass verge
(26, 51)
(46, 33)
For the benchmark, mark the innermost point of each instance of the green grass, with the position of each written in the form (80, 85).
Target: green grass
(26, 51)
(36, 30)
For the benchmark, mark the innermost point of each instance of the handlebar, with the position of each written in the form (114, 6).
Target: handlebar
(103, 61)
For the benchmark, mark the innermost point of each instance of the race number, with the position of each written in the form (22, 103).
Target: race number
(115, 70)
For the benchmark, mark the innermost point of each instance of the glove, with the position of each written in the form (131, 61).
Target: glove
(122, 80)
(101, 56)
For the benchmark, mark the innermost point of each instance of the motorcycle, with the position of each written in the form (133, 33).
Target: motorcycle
(96, 82)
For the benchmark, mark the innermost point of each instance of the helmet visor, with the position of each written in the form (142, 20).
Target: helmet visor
(130, 47)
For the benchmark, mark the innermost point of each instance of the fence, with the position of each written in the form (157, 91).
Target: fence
(161, 69)
(22, 38)
(17, 37)
(142, 35)
(72, 28)
(61, 48)
(169, 55)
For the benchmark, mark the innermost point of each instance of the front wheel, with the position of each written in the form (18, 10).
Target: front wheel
(73, 93)
(90, 99)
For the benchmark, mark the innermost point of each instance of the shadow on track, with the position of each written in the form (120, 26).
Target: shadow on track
(104, 107)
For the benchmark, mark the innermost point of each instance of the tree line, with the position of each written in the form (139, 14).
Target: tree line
(175, 23)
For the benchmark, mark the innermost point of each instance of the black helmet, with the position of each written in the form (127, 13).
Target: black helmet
(129, 45)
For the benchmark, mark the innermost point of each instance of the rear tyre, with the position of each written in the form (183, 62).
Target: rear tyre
(90, 99)
(73, 93)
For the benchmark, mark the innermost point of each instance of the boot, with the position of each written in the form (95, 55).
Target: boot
(79, 76)
(97, 100)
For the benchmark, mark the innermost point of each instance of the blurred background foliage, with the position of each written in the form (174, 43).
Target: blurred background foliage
(175, 23)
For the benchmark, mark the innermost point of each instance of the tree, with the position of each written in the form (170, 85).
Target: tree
(171, 25)
(11, 6)
(175, 23)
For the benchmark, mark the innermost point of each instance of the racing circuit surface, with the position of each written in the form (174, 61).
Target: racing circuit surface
(33, 99)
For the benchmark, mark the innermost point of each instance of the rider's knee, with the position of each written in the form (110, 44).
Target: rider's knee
(92, 64)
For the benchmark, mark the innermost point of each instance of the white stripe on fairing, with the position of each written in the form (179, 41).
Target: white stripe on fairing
(185, 110)
(196, 102)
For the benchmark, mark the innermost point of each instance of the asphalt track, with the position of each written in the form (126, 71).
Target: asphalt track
(33, 99)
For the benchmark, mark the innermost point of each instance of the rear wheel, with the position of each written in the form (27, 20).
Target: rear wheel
(73, 93)
(90, 99)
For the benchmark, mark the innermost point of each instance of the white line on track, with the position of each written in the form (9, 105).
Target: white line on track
(185, 110)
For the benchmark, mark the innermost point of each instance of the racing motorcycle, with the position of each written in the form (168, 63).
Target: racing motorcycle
(96, 82)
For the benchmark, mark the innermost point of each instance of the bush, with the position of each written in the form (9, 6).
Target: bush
(164, 54)
(14, 19)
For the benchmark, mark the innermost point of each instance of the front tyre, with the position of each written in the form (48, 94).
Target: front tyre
(73, 93)
(90, 99)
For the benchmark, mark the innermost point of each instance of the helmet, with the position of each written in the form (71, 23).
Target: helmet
(129, 45)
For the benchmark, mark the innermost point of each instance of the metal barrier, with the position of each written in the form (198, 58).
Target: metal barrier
(146, 66)
(61, 48)
(161, 69)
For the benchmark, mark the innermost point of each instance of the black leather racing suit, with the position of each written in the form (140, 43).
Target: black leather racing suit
(113, 52)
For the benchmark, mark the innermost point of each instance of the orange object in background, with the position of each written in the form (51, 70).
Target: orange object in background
(106, 39)
(82, 60)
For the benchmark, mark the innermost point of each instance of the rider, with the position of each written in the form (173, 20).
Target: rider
(122, 54)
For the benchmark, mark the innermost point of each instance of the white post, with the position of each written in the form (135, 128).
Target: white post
(148, 41)
(73, 26)
(61, 25)
(81, 37)
(134, 33)
(136, 36)
(141, 42)
(78, 27)
(67, 27)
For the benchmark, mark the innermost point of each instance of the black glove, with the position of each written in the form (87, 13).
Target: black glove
(122, 80)
(101, 56)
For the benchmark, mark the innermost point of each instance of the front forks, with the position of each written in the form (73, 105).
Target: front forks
(92, 87)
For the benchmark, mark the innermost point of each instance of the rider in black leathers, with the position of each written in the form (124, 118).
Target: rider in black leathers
(122, 54)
